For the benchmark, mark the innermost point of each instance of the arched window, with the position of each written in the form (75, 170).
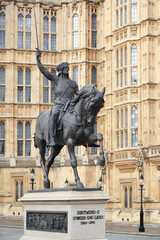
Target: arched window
(20, 139)
(2, 27)
(20, 31)
(94, 75)
(75, 74)
(75, 31)
(134, 57)
(94, 30)
(45, 33)
(2, 84)
(28, 30)
(133, 11)
(2, 138)
(53, 33)
(20, 85)
(133, 54)
(27, 139)
(28, 86)
(134, 117)
(45, 90)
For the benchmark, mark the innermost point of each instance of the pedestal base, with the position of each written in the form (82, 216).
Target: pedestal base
(72, 214)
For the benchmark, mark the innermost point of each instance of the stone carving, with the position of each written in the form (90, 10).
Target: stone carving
(47, 221)
(140, 159)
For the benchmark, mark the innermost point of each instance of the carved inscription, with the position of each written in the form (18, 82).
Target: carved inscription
(47, 221)
(88, 217)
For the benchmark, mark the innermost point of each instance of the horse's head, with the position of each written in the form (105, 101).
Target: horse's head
(93, 104)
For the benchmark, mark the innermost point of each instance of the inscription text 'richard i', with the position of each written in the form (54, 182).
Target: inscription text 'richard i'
(88, 217)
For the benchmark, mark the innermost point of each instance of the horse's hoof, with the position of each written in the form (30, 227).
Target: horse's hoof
(101, 161)
(46, 183)
(80, 185)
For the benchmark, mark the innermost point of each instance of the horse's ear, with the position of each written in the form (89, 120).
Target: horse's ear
(103, 91)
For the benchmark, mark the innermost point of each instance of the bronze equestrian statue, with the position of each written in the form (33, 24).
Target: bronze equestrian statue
(70, 121)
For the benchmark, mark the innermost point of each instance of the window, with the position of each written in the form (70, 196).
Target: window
(122, 128)
(117, 140)
(2, 27)
(133, 76)
(128, 197)
(48, 92)
(126, 139)
(94, 75)
(133, 11)
(27, 139)
(121, 13)
(117, 79)
(121, 57)
(2, 138)
(133, 54)
(134, 60)
(49, 30)
(94, 30)
(46, 32)
(121, 118)
(2, 84)
(28, 85)
(121, 67)
(20, 139)
(53, 32)
(117, 56)
(20, 85)
(24, 144)
(121, 139)
(75, 30)
(126, 117)
(19, 189)
(134, 119)
(24, 28)
(24, 88)
(45, 90)
(94, 149)
(75, 74)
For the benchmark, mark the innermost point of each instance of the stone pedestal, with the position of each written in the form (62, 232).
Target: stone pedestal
(72, 214)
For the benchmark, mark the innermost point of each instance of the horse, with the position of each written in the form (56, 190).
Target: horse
(77, 128)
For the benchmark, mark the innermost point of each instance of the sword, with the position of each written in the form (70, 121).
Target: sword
(36, 25)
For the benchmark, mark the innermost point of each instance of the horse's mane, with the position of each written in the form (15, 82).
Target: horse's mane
(85, 91)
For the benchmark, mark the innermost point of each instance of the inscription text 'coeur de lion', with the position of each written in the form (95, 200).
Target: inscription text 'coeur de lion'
(47, 221)
(88, 217)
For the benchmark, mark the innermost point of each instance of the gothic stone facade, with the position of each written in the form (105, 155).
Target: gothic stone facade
(109, 43)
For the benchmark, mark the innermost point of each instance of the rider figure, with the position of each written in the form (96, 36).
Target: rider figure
(64, 89)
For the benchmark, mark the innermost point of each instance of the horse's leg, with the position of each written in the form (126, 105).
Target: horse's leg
(70, 145)
(94, 138)
(55, 150)
(42, 150)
